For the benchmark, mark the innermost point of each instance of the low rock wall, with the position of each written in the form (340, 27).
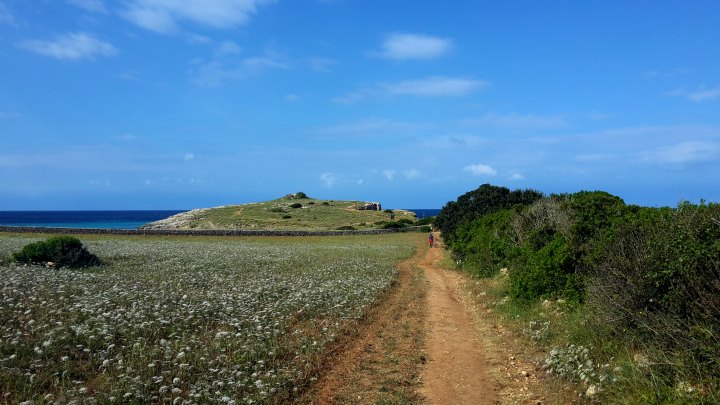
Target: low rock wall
(198, 232)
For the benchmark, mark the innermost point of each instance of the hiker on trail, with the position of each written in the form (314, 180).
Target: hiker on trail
(431, 240)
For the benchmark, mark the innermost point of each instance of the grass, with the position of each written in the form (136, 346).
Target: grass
(185, 319)
(279, 214)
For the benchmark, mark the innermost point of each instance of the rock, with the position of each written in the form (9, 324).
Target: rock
(591, 391)
(371, 206)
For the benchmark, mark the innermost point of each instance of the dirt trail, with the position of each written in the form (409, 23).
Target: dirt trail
(429, 342)
(458, 370)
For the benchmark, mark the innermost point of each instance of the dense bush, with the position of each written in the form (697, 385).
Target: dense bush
(659, 284)
(426, 221)
(474, 204)
(425, 229)
(276, 209)
(393, 225)
(486, 244)
(346, 228)
(295, 205)
(648, 279)
(63, 251)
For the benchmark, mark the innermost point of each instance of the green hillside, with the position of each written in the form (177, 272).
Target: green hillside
(292, 212)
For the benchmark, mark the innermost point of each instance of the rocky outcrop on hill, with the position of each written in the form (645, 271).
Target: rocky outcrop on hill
(371, 206)
(177, 221)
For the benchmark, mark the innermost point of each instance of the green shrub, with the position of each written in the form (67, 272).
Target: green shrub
(425, 229)
(426, 221)
(295, 205)
(474, 204)
(286, 216)
(394, 225)
(300, 194)
(546, 273)
(311, 203)
(277, 209)
(64, 251)
(406, 221)
(325, 203)
(346, 228)
(388, 211)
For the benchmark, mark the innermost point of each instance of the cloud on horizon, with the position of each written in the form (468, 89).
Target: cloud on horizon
(398, 46)
(74, 46)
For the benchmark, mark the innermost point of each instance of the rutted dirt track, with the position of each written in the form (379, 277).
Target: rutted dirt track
(457, 371)
(428, 342)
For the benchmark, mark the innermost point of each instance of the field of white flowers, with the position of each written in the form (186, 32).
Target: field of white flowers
(183, 320)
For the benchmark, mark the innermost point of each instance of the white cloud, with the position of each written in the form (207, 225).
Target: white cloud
(414, 46)
(369, 126)
(218, 70)
(228, 48)
(100, 183)
(164, 16)
(699, 95)
(323, 65)
(188, 157)
(518, 121)
(196, 39)
(389, 174)
(9, 114)
(6, 16)
(74, 46)
(128, 138)
(683, 152)
(411, 174)
(329, 179)
(94, 6)
(705, 95)
(434, 86)
(480, 170)
(516, 176)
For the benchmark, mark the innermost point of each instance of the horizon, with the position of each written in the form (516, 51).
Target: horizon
(166, 103)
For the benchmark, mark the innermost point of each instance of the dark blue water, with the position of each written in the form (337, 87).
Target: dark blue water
(84, 219)
(424, 212)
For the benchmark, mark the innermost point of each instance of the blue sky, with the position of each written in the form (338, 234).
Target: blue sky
(171, 104)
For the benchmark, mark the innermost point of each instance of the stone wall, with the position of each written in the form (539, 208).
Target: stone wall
(197, 232)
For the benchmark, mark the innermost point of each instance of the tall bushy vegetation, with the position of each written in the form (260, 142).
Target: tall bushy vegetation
(63, 251)
(647, 280)
(474, 204)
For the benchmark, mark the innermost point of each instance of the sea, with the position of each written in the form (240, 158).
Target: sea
(109, 219)
(84, 219)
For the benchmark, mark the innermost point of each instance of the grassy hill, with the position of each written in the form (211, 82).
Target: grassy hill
(287, 213)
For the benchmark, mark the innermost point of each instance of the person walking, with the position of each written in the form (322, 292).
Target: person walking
(431, 240)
